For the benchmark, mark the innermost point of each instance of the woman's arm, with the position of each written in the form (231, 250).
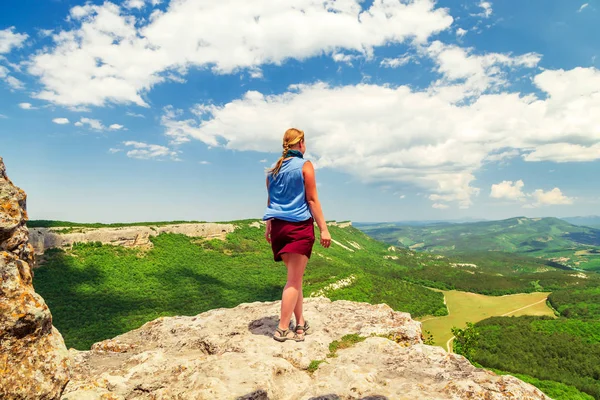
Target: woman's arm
(310, 186)
(268, 228)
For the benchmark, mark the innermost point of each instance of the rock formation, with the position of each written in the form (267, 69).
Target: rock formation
(229, 354)
(43, 239)
(34, 362)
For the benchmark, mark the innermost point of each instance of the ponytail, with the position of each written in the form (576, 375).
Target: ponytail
(291, 137)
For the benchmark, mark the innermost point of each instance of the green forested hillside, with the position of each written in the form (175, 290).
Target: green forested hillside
(549, 238)
(558, 350)
(99, 291)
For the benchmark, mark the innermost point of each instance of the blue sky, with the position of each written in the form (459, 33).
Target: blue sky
(155, 110)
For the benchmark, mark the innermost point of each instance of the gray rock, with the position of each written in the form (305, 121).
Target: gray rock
(229, 353)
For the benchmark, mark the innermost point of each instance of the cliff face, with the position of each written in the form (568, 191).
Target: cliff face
(229, 353)
(34, 362)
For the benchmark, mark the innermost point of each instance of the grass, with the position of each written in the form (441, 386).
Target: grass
(466, 307)
(99, 291)
(314, 365)
(345, 342)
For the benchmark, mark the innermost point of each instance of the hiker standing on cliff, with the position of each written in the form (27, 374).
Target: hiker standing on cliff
(292, 208)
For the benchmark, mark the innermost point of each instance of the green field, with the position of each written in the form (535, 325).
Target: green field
(551, 239)
(99, 291)
(466, 307)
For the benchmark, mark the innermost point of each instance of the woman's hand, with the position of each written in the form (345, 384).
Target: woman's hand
(268, 231)
(325, 238)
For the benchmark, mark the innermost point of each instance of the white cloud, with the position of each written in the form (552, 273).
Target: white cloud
(395, 62)
(487, 9)
(61, 121)
(113, 150)
(460, 32)
(403, 196)
(139, 4)
(264, 160)
(97, 124)
(583, 7)
(204, 162)
(440, 206)
(344, 58)
(135, 115)
(114, 57)
(564, 152)
(10, 40)
(146, 151)
(551, 197)
(14, 83)
(508, 190)
(387, 134)
(500, 157)
(91, 123)
(475, 73)
(45, 32)
(27, 106)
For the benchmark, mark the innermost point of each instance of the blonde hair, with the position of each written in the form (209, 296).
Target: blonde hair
(291, 137)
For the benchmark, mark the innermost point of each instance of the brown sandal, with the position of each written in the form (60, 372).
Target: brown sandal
(304, 327)
(284, 335)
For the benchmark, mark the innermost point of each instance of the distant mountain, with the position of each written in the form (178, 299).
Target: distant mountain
(422, 222)
(592, 221)
(549, 238)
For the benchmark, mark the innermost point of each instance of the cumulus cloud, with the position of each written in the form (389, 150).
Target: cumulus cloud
(9, 39)
(61, 121)
(460, 32)
(551, 197)
(439, 155)
(486, 7)
(27, 106)
(395, 62)
(111, 56)
(91, 123)
(97, 124)
(145, 151)
(508, 190)
(131, 114)
(440, 206)
(139, 4)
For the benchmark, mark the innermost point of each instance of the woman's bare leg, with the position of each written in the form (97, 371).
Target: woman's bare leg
(292, 293)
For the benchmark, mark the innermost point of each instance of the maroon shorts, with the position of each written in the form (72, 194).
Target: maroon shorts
(292, 237)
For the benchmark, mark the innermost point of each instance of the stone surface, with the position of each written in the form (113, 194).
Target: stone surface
(129, 236)
(229, 354)
(34, 362)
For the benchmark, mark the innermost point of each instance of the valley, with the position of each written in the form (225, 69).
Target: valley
(102, 280)
(466, 307)
(550, 239)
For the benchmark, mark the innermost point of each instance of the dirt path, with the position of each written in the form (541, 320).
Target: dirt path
(449, 342)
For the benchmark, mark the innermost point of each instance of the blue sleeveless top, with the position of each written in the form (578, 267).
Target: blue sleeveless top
(287, 194)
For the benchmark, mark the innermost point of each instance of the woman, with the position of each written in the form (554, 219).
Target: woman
(292, 204)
